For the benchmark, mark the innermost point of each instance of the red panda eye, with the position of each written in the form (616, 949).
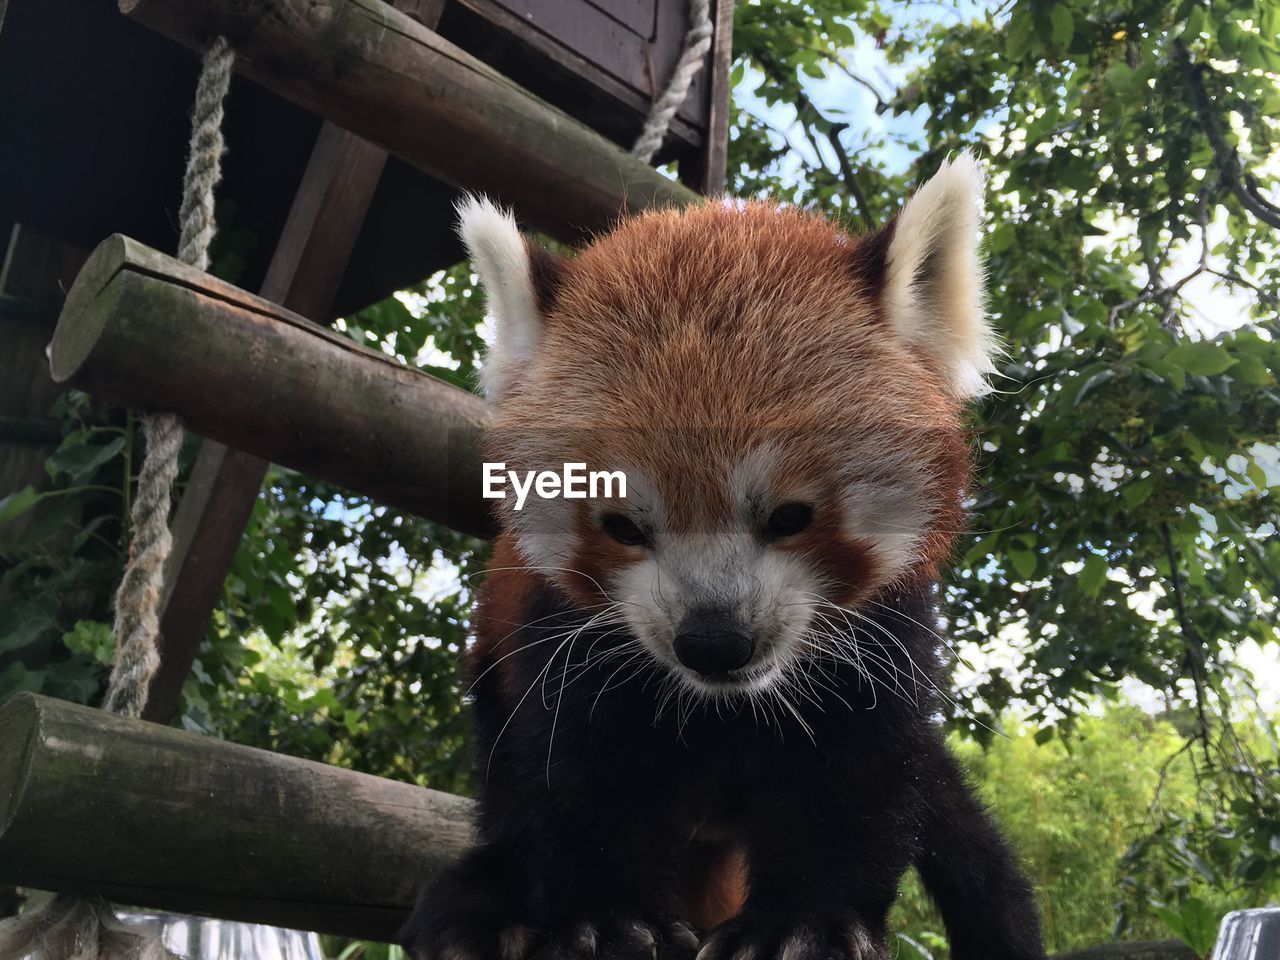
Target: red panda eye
(623, 530)
(788, 520)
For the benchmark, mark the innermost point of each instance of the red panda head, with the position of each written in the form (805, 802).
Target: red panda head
(784, 400)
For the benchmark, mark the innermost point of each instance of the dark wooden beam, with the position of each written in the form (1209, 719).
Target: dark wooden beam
(306, 268)
(379, 73)
(305, 271)
(147, 331)
(705, 170)
(625, 69)
(151, 815)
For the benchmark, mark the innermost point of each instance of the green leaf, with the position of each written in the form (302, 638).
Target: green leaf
(1001, 239)
(1021, 37)
(1195, 25)
(351, 720)
(92, 638)
(911, 949)
(1194, 923)
(1121, 79)
(1257, 476)
(1229, 37)
(1024, 563)
(1136, 492)
(1249, 368)
(26, 629)
(1202, 358)
(19, 679)
(1092, 314)
(1092, 383)
(18, 503)
(80, 460)
(1064, 25)
(1093, 575)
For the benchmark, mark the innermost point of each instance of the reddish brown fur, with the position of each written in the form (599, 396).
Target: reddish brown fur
(688, 339)
(845, 563)
(713, 886)
(502, 609)
(752, 366)
(596, 558)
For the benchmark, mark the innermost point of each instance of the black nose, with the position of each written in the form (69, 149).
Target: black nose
(712, 642)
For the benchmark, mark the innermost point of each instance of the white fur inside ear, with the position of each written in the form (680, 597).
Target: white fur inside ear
(934, 282)
(501, 261)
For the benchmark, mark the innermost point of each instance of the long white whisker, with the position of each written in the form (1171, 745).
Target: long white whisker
(941, 637)
(496, 740)
(606, 685)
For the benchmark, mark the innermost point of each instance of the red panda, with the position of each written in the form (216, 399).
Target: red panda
(706, 711)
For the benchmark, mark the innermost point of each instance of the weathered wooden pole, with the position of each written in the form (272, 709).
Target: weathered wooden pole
(162, 818)
(147, 331)
(382, 75)
(158, 817)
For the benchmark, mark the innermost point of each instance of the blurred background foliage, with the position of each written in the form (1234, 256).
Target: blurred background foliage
(1114, 605)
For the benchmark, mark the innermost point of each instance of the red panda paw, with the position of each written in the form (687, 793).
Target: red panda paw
(624, 938)
(756, 936)
(460, 917)
(464, 941)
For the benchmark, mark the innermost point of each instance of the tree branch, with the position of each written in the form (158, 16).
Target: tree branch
(1242, 183)
(882, 105)
(1165, 295)
(847, 174)
(1190, 636)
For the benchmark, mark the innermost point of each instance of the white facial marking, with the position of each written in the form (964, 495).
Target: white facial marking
(731, 569)
(772, 594)
(892, 517)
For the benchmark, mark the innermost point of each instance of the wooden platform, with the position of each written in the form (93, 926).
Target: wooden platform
(157, 817)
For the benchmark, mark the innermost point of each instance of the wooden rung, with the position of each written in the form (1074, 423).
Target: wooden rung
(158, 817)
(150, 332)
(382, 75)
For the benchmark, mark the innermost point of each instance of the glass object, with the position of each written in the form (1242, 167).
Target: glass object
(203, 938)
(1249, 935)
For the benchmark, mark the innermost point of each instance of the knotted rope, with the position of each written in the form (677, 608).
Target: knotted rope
(137, 628)
(71, 927)
(694, 54)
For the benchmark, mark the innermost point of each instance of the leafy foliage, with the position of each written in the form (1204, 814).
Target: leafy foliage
(1070, 812)
(63, 552)
(1124, 537)
(1125, 523)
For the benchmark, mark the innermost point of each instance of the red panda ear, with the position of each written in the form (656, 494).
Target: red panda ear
(932, 287)
(520, 281)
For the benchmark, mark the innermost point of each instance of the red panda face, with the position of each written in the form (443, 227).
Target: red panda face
(783, 400)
